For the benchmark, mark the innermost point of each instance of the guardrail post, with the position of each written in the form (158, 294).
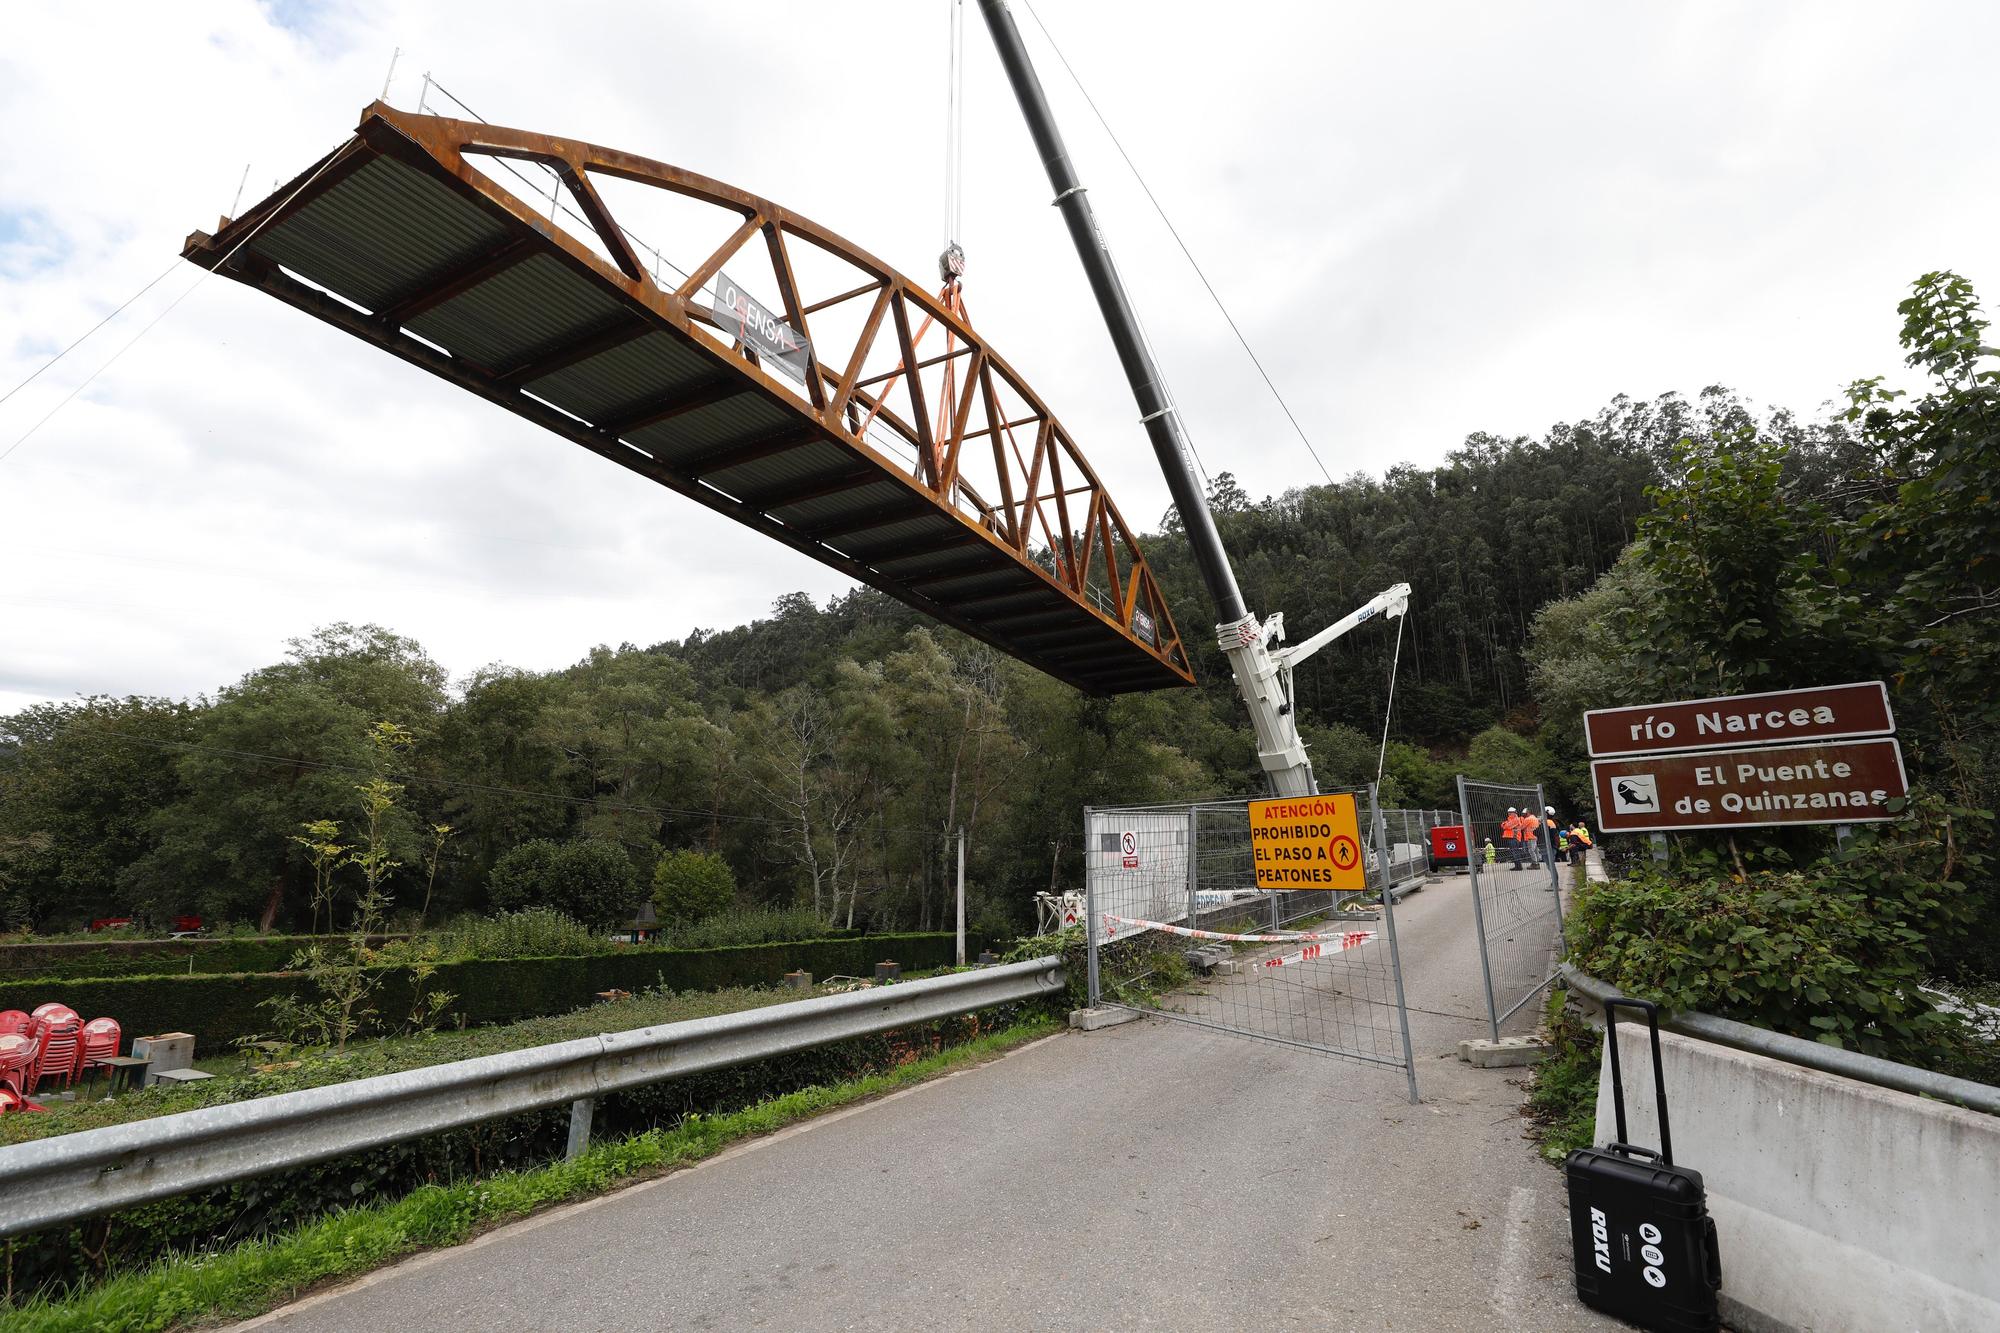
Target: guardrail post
(580, 1112)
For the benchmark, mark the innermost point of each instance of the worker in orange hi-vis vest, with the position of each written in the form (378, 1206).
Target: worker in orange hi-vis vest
(1511, 829)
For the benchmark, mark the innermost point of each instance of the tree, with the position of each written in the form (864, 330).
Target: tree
(692, 886)
(1499, 755)
(591, 880)
(277, 750)
(598, 883)
(525, 876)
(818, 807)
(347, 973)
(78, 784)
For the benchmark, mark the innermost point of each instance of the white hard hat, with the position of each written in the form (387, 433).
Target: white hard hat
(1551, 809)
(1513, 810)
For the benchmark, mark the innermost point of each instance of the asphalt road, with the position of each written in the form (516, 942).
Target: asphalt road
(1150, 1176)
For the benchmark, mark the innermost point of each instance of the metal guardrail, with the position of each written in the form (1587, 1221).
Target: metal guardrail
(1799, 1051)
(69, 1177)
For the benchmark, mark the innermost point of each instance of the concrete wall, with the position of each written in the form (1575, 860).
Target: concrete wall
(1839, 1205)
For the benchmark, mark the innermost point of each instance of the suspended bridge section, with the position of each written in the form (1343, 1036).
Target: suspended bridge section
(867, 425)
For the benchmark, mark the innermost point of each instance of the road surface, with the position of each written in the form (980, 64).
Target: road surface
(1150, 1176)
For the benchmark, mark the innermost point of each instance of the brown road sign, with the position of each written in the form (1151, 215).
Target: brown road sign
(1821, 713)
(1307, 842)
(1843, 782)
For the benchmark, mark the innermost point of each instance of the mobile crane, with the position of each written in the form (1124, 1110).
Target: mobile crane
(1262, 667)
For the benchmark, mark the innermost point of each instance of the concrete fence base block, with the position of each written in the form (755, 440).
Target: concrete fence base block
(1090, 1020)
(1229, 967)
(1504, 1053)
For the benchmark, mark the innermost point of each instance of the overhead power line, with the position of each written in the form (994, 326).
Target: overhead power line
(146, 328)
(450, 784)
(1174, 231)
(87, 332)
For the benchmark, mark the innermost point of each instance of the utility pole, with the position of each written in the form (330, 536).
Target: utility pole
(961, 895)
(1262, 676)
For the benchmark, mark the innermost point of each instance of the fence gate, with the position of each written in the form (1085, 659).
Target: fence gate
(1173, 885)
(1516, 896)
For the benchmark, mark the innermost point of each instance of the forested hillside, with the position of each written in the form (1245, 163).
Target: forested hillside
(828, 751)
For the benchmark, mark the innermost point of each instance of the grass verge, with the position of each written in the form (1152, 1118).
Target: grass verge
(248, 1279)
(1562, 1100)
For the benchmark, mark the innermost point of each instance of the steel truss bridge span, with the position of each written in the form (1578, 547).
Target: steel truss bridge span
(931, 472)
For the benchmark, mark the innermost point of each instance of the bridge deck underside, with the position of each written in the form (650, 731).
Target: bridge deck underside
(431, 267)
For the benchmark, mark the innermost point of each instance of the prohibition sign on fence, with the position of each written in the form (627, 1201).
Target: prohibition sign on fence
(1310, 843)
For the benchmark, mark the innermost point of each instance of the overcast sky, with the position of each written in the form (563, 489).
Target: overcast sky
(1429, 219)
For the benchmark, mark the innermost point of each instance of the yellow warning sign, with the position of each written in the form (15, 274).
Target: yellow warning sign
(1307, 842)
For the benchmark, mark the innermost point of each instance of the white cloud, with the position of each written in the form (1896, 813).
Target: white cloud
(1430, 220)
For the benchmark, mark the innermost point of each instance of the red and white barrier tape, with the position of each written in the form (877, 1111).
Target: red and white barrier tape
(1340, 945)
(1277, 937)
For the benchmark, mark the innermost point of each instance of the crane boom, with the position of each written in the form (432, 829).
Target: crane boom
(1263, 678)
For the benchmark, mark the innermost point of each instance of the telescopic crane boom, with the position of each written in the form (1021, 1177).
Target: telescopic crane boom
(1263, 677)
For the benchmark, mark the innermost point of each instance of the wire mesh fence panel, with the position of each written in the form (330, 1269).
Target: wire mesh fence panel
(1517, 906)
(1180, 928)
(1409, 838)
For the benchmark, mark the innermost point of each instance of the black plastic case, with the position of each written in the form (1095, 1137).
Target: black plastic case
(1645, 1244)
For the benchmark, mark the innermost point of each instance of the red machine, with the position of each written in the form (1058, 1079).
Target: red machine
(1448, 847)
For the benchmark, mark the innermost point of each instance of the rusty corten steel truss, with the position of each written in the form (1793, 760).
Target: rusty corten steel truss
(866, 466)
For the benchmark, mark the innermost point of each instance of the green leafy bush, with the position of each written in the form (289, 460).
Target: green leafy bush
(762, 925)
(534, 932)
(692, 886)
(524, 876)
(591, 880)
(1835, 951)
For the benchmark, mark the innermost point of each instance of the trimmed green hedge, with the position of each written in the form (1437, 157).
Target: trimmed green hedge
(219, 1009)
(140, 958)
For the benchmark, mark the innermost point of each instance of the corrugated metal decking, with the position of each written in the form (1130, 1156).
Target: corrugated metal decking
(433, 261)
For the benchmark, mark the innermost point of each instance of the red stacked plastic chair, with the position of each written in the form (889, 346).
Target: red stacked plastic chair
(17, 1070)
(60, 1040)
(54, 1009)
(12, 1021)
(99, 1042)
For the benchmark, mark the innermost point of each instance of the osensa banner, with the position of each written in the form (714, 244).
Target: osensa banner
(1307, 843)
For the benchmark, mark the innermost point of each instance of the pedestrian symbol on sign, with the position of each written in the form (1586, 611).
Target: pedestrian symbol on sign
(1128, 849)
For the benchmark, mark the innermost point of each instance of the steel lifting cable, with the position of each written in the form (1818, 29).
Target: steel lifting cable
(954, 125)
(1389, 711)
